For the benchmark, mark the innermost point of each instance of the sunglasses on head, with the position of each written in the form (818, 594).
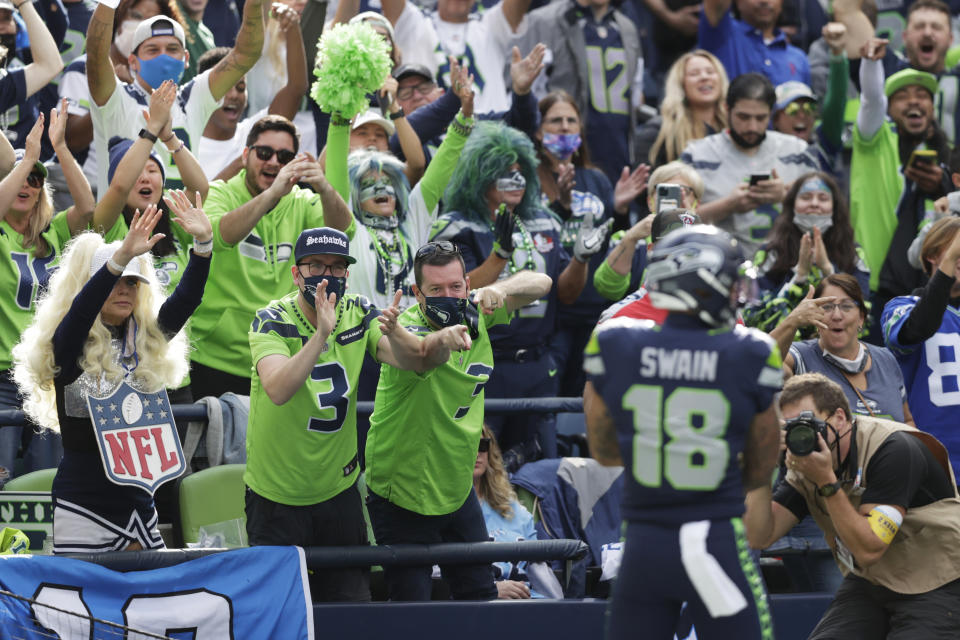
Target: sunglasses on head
(264, 153)
(484, 445)
(35, 179)
(438, 247)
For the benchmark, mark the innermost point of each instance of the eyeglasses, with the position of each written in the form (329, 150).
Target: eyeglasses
(320, 269)
(264, 153)
(442, 247)
(35, 179)
(425, 87)
(846, 307)
(484, 445)
(809, 108)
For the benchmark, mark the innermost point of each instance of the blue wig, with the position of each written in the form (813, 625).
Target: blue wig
(487, 155)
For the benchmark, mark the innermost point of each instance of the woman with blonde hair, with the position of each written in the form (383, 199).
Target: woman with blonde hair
(32, 238)
(104, 322)
(693, 107)
(507, 520)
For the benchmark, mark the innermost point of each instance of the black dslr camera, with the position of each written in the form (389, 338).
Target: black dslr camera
(801, 433)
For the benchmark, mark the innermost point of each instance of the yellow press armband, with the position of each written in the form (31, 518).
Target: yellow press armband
(885, 521)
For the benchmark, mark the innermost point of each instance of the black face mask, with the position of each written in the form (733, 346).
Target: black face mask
(9, 41)
(446, 311)
(744, 143)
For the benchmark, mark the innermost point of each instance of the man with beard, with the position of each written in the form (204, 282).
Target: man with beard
(926, 38)
(747, 169)
(257, 216)
(892, 188)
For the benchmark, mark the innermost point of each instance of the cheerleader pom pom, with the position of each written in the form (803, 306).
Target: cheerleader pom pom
(353, 60)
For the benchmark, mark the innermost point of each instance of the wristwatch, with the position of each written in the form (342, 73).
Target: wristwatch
(146, 134)
(828, 490)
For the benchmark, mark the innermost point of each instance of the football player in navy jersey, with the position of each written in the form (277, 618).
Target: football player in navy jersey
(688, 409)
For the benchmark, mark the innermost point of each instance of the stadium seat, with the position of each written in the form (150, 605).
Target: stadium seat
(40, 480)
(210, 496)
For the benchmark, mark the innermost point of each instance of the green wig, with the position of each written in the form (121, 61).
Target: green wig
(487, 155)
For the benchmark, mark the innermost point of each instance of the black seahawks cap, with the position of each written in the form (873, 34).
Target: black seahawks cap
(671, 219)
(323, 241)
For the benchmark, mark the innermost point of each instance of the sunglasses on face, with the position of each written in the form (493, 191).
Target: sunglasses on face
(443, 247)
(35, 179)
(794, 108)
(484, 445)
(264, 153)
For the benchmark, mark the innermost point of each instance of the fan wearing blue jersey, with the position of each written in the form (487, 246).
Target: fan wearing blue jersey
(688, 408)
(923, 331)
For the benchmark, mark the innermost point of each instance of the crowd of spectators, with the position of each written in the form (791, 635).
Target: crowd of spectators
(557, 137)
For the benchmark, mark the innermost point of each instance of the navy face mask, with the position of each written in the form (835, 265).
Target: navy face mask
(446, 311)
(334, 285)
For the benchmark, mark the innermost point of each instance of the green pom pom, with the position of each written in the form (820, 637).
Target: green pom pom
(352, 61)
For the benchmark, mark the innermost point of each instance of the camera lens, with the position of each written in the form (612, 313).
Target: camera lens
(801, 438)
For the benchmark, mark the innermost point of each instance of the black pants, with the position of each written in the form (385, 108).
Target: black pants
(334, 522)
(862, 610)
(395, 525)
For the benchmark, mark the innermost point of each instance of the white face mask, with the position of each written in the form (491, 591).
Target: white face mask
(807, 222)
(124, 38)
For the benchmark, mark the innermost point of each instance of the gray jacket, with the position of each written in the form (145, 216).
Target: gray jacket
(557, 26)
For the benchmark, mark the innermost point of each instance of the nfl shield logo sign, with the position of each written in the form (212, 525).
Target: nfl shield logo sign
(138, 441)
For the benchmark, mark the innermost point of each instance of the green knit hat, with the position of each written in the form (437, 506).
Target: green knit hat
(907, 77)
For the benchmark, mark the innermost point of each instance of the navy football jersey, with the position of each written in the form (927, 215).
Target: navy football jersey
(533, 323)
(682, 398)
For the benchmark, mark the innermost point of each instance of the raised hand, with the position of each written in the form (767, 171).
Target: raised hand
(389, 317)
(805, 258)
(820, 257)
(285, 16)
(590, 239)
(874, 49)
(31, 146)
(770, 191)
(566, 179)
(809, 312)
(58, 124)
(503, 228)
(641, 230)
(835, 35)
(388, 92)
(158, 115)
(326, 307)
(461, 83)
(139, 239)
(523, 71)
(189, 216)
(288, 176)
(629, 186)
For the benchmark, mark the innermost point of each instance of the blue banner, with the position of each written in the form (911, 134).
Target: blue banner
(260, 592)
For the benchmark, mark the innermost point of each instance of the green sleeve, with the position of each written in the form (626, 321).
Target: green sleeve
(499, 316)
(338, 147)
(610, 284)
(61, 228)
(835, 102)
(263, 344)
(441, 167)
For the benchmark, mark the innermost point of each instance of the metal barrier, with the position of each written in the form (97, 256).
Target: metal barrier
(493, 406)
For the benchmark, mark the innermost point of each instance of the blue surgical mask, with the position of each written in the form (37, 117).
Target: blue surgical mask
(163, 67)
(334, 285)
(561, 145)
(444, 311)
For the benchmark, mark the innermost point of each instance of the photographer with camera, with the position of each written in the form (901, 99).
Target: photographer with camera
(885, 497)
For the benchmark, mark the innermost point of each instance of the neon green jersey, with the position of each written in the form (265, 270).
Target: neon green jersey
(425, 428)
(246, 276)
(22, 275)
(305, 450)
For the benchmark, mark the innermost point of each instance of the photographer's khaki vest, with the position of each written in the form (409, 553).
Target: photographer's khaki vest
(925, 553)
